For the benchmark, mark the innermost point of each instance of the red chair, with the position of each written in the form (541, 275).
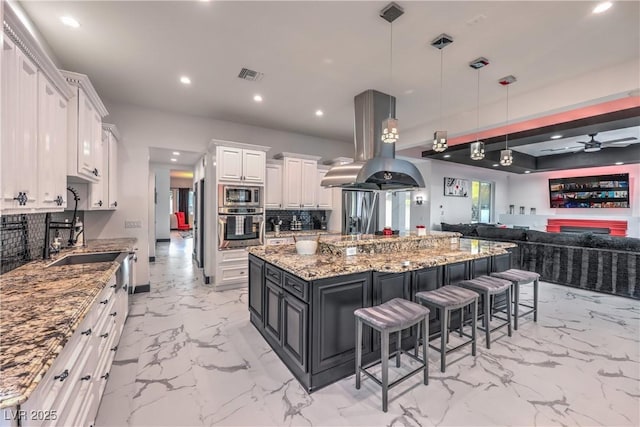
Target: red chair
(181, 224)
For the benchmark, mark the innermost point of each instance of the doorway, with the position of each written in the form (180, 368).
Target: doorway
(481, 202)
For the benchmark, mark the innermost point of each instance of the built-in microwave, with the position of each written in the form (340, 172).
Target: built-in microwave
(234, 196)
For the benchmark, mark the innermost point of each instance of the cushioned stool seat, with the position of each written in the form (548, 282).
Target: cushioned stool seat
(446, 299)
(392, 316)
(488, 286)
(517, 278)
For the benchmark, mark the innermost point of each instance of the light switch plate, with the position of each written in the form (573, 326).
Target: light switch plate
(133, 223)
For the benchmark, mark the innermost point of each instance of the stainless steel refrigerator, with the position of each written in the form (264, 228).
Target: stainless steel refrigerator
(359, 212)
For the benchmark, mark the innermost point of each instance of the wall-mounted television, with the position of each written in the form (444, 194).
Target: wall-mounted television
(598, 191)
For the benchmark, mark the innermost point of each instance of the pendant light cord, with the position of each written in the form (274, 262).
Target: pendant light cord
(478, 109)
(506, 139)
(391, 67)
(441, 77)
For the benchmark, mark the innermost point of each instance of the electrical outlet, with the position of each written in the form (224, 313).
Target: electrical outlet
(133, 223)
(352, 251)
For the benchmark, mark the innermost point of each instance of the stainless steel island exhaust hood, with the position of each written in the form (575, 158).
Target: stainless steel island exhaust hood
(375, 166)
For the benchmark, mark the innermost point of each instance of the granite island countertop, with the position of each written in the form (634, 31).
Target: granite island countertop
(320, 266)
(40, 308)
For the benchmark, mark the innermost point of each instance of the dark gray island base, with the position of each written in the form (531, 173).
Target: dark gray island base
(309, 322)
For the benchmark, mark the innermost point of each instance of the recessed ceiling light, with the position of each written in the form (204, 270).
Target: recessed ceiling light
(446, 156)
(174, 160)
(185, 80)
(257, 98)
(619, 163)
(408, 91)
(601, 7)
(70, 21)
(176, 153)
(527, 171)
(319, 113)
(556, 136)
(495, 165)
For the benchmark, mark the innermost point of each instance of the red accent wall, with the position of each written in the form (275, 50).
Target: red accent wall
(618, 228)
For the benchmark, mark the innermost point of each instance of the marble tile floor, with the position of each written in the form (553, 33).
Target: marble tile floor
(190, 357)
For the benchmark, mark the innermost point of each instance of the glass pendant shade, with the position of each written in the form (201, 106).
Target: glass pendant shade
(440, 141)
(390, 130)
(477, 150)
(506, 157)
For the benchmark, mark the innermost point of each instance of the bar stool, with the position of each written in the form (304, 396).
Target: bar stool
(392, 316)
(446, 299)
(517, 278)
(487, 287)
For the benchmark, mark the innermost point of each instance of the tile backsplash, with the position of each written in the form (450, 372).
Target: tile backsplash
(22, 237)
(310, 219)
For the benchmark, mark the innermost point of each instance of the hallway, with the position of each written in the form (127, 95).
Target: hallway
(189, 357)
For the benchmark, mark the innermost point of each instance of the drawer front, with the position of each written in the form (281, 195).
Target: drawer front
(273, 274)
(234, 274)
(233, 257)
(296, 287)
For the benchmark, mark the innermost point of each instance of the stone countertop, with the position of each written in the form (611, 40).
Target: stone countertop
(349, 240)
(288, 233)
(313, 267)
(41, 308)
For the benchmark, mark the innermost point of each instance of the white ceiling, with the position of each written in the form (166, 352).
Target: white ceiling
(186, 159)
(320, 54)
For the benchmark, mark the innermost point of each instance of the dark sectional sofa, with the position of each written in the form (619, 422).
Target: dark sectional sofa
(595, 262)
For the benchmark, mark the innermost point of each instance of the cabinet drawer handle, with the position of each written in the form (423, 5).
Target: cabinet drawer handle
(104, 301)
(113, 314)
(62, 376)
(105, 376)
(87, 332)
(22, 198)
(114, 348)
(105, 335)
(296, 287)
(242, 272)
(85, 378)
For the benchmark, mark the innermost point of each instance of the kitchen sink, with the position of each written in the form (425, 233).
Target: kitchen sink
(75, 259)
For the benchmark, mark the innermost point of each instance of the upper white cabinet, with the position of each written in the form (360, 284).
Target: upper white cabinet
(112, 136)
(52, 146)
(324, 195)
(240, 165)
(299, 176)
(19, 129)
(85, 113)
(273, 186)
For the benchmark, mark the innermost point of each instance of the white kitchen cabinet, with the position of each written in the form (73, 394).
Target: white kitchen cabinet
(324, 195)
(52, 147)
(240, 165)
(113, 138)
(103, 194)
(298, 189)
(19, 130)
(273, 186)
(84, 125)
(232, 269)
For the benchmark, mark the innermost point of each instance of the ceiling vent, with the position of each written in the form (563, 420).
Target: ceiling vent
(251, 75)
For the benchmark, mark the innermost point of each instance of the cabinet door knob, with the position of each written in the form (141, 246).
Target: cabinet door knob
(115, 204)
(104, 301)
(113, 314)
(59, 200)
(87, 332)
(105, 335)
(95, 171)
(114, 348)
(85, 378)
(100, 203)
(22, 198)
(62, 376)
(105, 376)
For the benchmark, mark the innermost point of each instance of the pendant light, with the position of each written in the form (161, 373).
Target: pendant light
(506, 155)
(477, 148)
(390, 126)
(440, 136)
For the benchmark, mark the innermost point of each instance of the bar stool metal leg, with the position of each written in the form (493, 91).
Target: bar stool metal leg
(425, 345)
(444, 327)
(398, 342)
(473, 326)
(509, 309)
(358, 351)
(486, 318)
(385, 368)
(535, 300)
(516, 304)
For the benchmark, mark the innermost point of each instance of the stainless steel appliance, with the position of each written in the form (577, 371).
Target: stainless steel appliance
(240, 227)
(236, 196)
(359, 212)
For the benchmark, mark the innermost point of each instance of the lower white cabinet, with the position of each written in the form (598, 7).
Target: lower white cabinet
(232, 269)
(70, 392)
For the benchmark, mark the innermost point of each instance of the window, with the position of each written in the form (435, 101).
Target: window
(398, 210)
(481, 201)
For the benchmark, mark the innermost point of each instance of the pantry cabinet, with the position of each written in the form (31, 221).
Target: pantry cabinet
(84, 124)
(240, 165)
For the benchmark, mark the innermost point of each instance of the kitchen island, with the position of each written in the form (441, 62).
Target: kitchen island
(303, 305)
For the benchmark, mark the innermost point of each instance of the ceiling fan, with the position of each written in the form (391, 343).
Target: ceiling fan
(593, 145)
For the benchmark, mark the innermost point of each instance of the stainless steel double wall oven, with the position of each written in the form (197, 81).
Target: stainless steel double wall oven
(240, 216)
